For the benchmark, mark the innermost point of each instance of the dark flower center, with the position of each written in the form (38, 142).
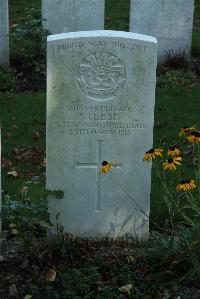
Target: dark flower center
(170, 160)
(173, 147)
(151, 151)
(195, 133)
(183, 182)
(104, 163)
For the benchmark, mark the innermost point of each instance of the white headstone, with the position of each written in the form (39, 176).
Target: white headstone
(100, 107)
(4, 33)
(170, 21)
(0, 188)
(73, 15)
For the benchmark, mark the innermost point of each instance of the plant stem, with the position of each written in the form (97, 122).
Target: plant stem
(138, 206)
(166, 189)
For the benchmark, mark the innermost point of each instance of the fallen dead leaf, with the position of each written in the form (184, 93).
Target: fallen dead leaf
(36, 135)
(2, 259)
(12, 225)
(30, 174)
(6, 163)
(51, 275)
(36, 120)
(34, 154)
(13, 290)
(102, 283)
(130, 259)
(14, 25)
(126, 289)
(43, 163)
(13, 173)
(24, 191)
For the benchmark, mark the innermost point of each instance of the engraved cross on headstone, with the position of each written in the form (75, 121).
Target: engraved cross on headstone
(98, 174)
(72, 9)
(162, 6)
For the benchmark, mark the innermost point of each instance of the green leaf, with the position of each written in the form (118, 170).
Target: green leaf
(14, 231)
(44, 224)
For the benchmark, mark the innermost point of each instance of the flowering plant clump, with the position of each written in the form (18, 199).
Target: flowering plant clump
(175, 157)
(180, 166)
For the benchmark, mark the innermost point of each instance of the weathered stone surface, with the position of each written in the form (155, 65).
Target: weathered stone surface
(100, 106)
(73, 15)
(4, 33)
(0, 188)
(169, 21)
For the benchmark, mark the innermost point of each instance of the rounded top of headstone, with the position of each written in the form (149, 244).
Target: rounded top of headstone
(102, 33)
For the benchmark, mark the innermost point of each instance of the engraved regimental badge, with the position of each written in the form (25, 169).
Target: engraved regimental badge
(101, 76)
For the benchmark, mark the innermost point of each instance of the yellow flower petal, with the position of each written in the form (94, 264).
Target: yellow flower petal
(186, 185)
(152, 154)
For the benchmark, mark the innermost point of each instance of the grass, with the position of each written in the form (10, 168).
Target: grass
(17, 8)
(23, 126)
(196, 28)
(117, 14)
(175, 108)
(23, 114)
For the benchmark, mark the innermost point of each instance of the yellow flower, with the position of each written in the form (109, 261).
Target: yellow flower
(194, 137)
(186, 185)
(172, 163)
(174, 151)
(152, 154)
(186, 130)
(106, 166)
